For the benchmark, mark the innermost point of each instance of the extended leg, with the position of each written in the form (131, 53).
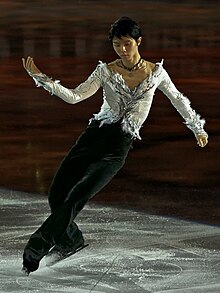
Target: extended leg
(108, 148)
(71, 170)
(96, 177)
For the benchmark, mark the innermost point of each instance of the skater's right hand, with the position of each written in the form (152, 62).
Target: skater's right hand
(29, 65)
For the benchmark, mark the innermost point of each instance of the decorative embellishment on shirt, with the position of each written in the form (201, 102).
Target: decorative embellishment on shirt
(120, 103)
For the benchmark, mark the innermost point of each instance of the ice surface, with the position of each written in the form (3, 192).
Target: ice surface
(128, 251)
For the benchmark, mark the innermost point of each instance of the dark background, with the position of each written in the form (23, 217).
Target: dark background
(166, 172)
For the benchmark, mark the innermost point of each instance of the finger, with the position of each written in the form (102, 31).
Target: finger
(205, 141)
(200, 142)
(32, 62)
(26, 64)
(32, 65)
(23, 62)
(28, 61)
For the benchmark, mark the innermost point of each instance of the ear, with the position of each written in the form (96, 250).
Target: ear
(139, 41)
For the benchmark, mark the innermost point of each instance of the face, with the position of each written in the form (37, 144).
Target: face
(126, 47)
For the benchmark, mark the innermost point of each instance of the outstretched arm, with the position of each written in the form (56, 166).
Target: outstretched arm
(72, 96)
(192, 120)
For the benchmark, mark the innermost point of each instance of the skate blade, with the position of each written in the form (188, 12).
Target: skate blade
(52, 262)
(75, 251)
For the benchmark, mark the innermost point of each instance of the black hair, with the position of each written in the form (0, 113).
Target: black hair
(124, 26)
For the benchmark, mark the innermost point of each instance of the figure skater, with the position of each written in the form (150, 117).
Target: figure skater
(129, 84)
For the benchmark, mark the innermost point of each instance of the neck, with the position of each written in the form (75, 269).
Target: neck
(129, 63)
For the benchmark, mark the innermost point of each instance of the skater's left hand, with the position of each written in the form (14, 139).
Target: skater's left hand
(202, 140)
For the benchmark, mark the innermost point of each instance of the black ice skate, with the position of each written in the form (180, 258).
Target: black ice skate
(56, 254)
(29, 266)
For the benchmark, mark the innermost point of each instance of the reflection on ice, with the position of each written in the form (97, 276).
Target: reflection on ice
(128, 251)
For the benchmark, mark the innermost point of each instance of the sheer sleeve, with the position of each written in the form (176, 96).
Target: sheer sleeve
(72, 96)
(192, 120)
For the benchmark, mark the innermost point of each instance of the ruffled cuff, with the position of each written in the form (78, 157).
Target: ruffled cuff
(42, 80)
(196, 124)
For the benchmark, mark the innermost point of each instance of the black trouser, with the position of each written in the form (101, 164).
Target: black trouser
(95, 158)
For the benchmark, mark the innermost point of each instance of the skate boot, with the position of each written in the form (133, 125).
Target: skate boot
(57, 253)
(29, 266)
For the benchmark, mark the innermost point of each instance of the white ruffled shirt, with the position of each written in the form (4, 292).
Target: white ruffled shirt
(120, 103)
